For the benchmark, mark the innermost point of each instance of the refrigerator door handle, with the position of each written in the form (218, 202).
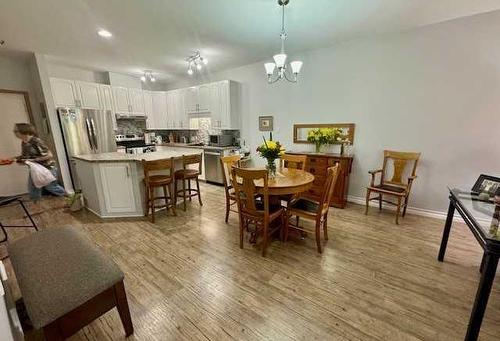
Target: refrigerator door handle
(94, 134)
(89, 134)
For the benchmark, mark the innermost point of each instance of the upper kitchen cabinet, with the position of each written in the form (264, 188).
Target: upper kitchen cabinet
(148, 110)
(121, 100)
(177, 116)
(224, 105)
(106, 97)
(160, 112)
(128, 101)
(90, 96)
(136, 101)
(197, 99)
(65, 92)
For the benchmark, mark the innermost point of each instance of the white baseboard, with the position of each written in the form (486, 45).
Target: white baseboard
(413, 210)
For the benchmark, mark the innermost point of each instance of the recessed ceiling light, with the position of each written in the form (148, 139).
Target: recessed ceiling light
(104, 33)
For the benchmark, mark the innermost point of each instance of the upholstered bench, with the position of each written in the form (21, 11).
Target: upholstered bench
(66, 282)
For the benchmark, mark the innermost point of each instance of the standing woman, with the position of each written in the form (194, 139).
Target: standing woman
(34, 149)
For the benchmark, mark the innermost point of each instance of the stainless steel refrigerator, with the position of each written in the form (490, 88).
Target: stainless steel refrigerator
(85, 132)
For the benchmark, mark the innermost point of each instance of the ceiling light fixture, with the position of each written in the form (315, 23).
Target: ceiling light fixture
(148, 76)
(195, 61)
(105, 34)
(278, 70)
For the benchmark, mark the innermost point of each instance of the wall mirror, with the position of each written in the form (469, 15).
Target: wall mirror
(300, 131)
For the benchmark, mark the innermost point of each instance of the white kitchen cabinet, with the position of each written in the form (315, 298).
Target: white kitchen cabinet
(111, 189)
(224, 109)
(65, 92)
(121, 100)
(191, 100)
(136, 99)
(151, 122)
(117, 187)
(160, 112)
(177, 116)
(197, 99)
(204, 98)
(90, 95)
(106, 97)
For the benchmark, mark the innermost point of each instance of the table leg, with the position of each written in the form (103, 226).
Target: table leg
(482, 295)
(483, 260)
(446, 231)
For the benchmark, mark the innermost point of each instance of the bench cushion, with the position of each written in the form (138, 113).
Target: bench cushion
(58, 270)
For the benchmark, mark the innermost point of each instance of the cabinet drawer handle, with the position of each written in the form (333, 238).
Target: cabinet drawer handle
(128, 175)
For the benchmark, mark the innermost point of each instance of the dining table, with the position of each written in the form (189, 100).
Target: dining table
(288, 181)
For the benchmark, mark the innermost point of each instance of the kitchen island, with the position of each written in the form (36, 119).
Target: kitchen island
(112, 183)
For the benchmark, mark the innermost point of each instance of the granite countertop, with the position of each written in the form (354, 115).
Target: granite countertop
(122, 157)
(189, 145)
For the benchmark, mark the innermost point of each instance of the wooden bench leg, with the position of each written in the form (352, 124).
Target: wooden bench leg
(52, 332)
(123, 310)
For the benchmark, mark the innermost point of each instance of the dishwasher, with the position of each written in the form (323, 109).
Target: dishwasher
(213, 167)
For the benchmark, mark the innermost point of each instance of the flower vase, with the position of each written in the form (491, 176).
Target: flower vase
(271, 168)
(318, 147)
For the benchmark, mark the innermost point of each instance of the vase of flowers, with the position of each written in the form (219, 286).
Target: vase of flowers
(322, 136)
(271, 150)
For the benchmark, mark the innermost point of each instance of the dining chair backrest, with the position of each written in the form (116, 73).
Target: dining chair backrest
(157, 165)
(195, 159)
(331, 180)
(399, 161)
(293, 161)
(246, 191)
(227, 162)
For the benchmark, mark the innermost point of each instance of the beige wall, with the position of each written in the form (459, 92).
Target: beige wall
(435, 90)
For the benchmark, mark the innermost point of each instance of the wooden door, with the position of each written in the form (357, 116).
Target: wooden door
(14, 108)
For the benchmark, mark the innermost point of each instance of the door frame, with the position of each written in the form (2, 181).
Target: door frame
(26, 100)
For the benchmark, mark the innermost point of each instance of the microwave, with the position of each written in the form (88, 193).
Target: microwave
(221, 140)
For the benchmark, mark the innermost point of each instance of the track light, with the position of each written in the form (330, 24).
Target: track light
(148, 75)
(195, 61)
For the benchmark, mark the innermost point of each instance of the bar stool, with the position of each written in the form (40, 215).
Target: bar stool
(152, 182)
(188, 174)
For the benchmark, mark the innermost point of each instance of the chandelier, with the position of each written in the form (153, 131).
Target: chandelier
(279, 69)
(148, 76)
(195, 61)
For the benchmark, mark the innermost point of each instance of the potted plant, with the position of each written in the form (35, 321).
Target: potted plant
(75, 201)
(270, 150)
(322, 136)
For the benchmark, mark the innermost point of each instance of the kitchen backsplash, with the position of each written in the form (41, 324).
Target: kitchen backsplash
(129, 126)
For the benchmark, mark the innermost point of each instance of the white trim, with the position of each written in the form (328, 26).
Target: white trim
(413, 210)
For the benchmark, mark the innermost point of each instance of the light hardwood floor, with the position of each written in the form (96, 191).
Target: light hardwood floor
(187, 279)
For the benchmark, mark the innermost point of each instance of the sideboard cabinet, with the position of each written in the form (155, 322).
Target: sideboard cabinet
(317, 164)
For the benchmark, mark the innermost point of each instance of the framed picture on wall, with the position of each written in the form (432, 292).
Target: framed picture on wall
(265, 123)
(487, 184)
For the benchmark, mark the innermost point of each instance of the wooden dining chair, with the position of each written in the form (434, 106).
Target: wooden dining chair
(293, 161)
(398, 185)
(227, 162)
(253, 205)
(153, 181)
(186, 174)
(303, 207)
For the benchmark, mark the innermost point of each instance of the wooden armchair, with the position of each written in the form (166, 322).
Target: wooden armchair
(253, 205)
(399, 185)
(293, 161)
(227, 162)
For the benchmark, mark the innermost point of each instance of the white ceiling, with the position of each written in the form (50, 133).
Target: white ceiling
(160, 34)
